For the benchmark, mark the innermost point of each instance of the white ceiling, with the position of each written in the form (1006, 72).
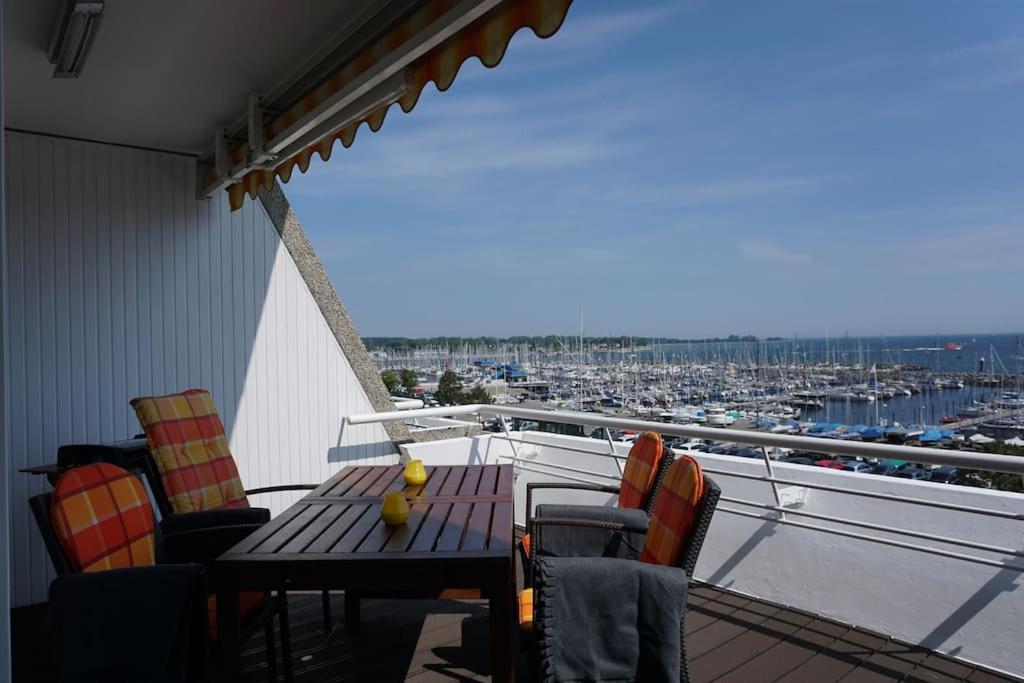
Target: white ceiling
(162, 74)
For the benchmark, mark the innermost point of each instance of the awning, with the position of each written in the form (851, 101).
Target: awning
(486, 38)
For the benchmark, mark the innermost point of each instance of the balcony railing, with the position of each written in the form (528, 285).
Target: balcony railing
(928, 563)
(785, 507)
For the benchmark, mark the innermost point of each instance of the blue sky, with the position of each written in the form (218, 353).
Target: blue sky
(697, 168)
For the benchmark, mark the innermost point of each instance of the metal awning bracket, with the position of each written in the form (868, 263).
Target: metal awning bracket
(258, 156)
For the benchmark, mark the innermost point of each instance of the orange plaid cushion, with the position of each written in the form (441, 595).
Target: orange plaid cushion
(526, 610)
(674, 512)
(187, 440)
(103, 519)
(641, 468)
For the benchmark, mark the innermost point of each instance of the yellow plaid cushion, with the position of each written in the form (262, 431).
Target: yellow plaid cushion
(674, 511)
(641, 468)
(187, 440)
(103, 519)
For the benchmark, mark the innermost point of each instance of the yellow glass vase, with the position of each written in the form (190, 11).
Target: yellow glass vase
(395, 510)
(415, 473)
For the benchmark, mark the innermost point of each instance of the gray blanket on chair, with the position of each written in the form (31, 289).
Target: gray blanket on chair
(607, 619)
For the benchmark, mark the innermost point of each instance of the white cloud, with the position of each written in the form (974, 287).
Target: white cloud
(768, 251)
(989, 80)
(999, 45)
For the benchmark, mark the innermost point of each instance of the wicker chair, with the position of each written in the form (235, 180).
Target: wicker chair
(588, 512)
(74, 592)
(687, 561)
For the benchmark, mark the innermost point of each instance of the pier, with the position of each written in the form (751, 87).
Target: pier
(997, 415)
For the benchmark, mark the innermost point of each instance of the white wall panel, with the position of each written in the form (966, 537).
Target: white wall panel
(122, 284)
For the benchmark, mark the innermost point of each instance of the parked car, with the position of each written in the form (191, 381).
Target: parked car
(829, 463)
(797, 459)
(857, 466)
(910, 472)
(747, 453)
(945, 474)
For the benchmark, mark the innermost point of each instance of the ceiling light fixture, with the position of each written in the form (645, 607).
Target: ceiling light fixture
(72, 37)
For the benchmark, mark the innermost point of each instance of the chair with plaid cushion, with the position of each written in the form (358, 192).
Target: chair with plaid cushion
(646, 465)
(186, 439)
(682, 510)
(115, 607)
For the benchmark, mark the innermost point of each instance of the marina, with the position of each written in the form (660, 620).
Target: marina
(849, 390)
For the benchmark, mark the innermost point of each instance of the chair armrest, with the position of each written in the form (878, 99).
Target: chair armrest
(141, 623)
(205, 539)
(208, 519)
(567, 537)
(283, 487)
(559, 485)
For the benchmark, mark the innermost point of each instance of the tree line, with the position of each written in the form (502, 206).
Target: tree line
(449, 388)
(547, 342)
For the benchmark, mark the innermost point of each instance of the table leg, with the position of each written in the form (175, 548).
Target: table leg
(351, 608)
(325, 599)
(228, 627)
(502, 615)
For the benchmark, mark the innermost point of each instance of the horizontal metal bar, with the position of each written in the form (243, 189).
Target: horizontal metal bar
(873, 539)
(1002, 514)
(795, 482)
(876, 527)
(871, 494)
(600, 454)
(576, 470)
(989, 461)
(406, 403)
(554, 474)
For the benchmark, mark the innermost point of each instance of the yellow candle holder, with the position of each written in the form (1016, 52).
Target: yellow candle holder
(394, 510)
(415, 473)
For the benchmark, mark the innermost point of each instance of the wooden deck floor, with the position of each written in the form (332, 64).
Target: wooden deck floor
(729, 638)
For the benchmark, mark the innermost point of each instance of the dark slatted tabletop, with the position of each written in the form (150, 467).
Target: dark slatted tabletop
(458, 537)
(463, 511)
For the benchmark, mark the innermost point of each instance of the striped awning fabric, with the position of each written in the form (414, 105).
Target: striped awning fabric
(487, 38)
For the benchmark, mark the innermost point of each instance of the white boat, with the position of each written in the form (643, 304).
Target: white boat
(718, 417)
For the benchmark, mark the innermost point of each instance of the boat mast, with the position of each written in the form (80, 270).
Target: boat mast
(579, 405)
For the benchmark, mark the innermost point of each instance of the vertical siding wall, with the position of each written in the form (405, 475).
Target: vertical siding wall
(123, 284)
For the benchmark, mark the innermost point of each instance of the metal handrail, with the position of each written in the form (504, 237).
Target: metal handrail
(924, 455)
(770, 479)
(934, 456)
(405, 404)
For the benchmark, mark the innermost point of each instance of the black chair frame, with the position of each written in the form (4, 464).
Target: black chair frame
(262, 618)
(179, 529)
(648, 507)
(687, 561)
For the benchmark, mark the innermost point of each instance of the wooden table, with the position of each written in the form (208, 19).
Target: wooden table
(459, 536)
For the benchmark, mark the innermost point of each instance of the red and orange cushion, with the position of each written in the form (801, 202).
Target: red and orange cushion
(187, 440)
(640, 471)
(103, 519)
(675, 509)
(637, 477)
